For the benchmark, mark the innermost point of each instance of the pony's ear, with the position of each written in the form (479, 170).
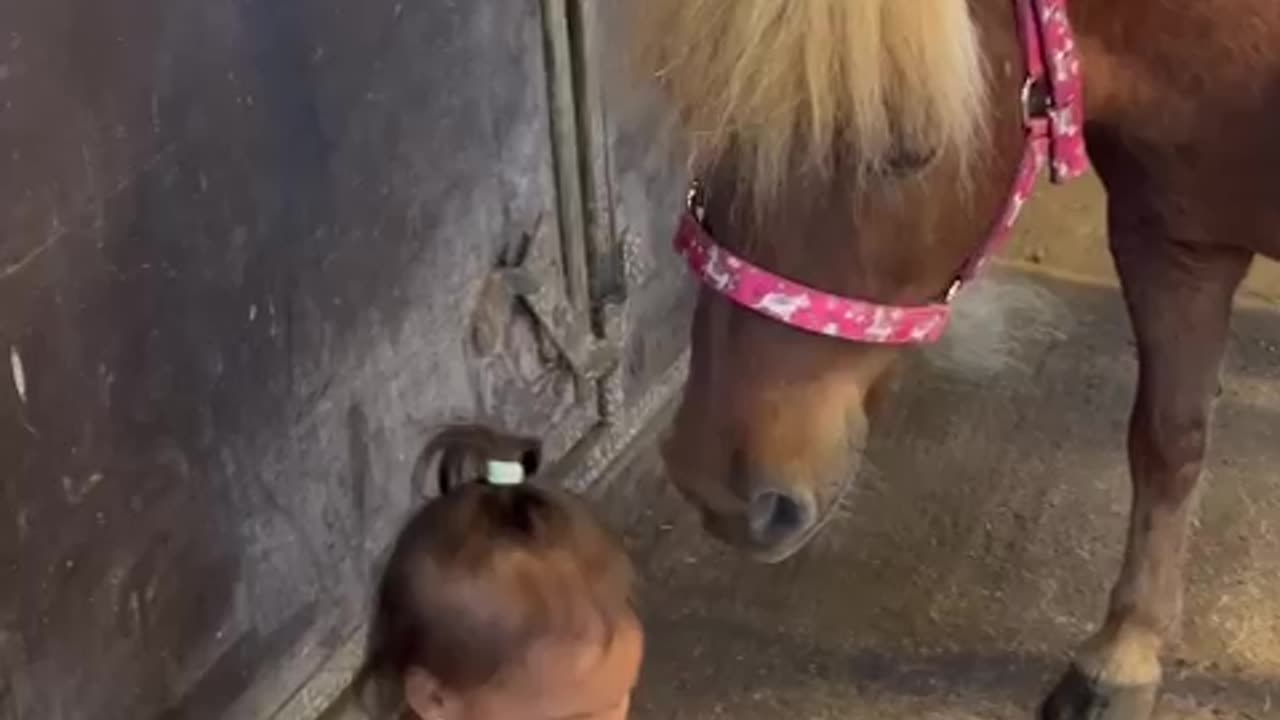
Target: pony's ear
(460, 454)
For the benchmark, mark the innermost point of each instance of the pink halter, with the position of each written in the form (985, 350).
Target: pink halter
(1053, 116)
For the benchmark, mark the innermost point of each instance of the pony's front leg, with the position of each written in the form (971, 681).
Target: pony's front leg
(1179, 298)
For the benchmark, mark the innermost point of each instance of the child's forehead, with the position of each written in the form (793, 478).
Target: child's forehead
(580, 679)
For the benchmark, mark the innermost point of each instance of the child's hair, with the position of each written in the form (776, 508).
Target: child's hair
(480, 576)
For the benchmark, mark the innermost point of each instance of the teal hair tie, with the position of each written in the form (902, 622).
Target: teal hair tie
(504, 473)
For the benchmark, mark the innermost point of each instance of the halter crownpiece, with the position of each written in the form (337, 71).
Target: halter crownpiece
(1053, 120)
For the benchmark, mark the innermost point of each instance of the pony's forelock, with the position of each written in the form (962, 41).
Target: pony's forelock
(787, 83)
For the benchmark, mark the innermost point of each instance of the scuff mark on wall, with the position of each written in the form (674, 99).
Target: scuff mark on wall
(19, 374)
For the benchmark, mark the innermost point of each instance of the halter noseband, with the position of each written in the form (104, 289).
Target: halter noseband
(1053, 119)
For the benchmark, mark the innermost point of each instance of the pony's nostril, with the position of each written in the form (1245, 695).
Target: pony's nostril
(776, 517)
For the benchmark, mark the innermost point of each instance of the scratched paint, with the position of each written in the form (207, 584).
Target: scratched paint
(179, 408)
(76, 489)
(19, 374)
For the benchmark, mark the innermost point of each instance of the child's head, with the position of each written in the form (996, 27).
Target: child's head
(504, 603)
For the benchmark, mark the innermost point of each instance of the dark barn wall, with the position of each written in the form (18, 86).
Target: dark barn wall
(243, 247)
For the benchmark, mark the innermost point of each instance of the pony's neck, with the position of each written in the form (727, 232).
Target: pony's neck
(1089, 20)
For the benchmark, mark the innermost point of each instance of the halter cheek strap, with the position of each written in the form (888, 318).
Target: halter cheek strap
(1053, 116)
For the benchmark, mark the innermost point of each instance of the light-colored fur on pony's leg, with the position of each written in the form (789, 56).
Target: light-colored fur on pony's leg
(1146, 602)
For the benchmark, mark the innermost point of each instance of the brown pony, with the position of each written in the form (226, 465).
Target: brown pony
(863, 147)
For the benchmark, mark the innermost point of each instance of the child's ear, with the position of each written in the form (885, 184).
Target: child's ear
(426, 697)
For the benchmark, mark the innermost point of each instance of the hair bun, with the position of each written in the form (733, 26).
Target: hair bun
(461, 454)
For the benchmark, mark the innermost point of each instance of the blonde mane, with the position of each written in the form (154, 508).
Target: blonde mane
(778, 82)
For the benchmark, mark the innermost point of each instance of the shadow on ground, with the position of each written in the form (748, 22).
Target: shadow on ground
(979, 548)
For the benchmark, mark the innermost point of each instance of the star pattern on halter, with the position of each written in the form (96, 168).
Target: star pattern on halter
(1054, 138)
(1049, 39)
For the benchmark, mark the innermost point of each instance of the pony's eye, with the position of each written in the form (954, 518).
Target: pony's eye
(909, 160)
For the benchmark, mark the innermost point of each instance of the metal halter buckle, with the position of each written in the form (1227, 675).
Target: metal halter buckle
(1036, 99)
(695, 200)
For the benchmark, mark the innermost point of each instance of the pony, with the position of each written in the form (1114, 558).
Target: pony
(860, 150)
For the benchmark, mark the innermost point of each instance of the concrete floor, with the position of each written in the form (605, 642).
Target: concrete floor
(980, 547)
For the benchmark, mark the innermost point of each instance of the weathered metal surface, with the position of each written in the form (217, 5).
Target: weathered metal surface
(633, 184)
(244, 254)
(648, 179)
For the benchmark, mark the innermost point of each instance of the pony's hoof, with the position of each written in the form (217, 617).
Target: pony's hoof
(1078, 698)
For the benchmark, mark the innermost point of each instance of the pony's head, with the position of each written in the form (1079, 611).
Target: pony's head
(849, 145)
